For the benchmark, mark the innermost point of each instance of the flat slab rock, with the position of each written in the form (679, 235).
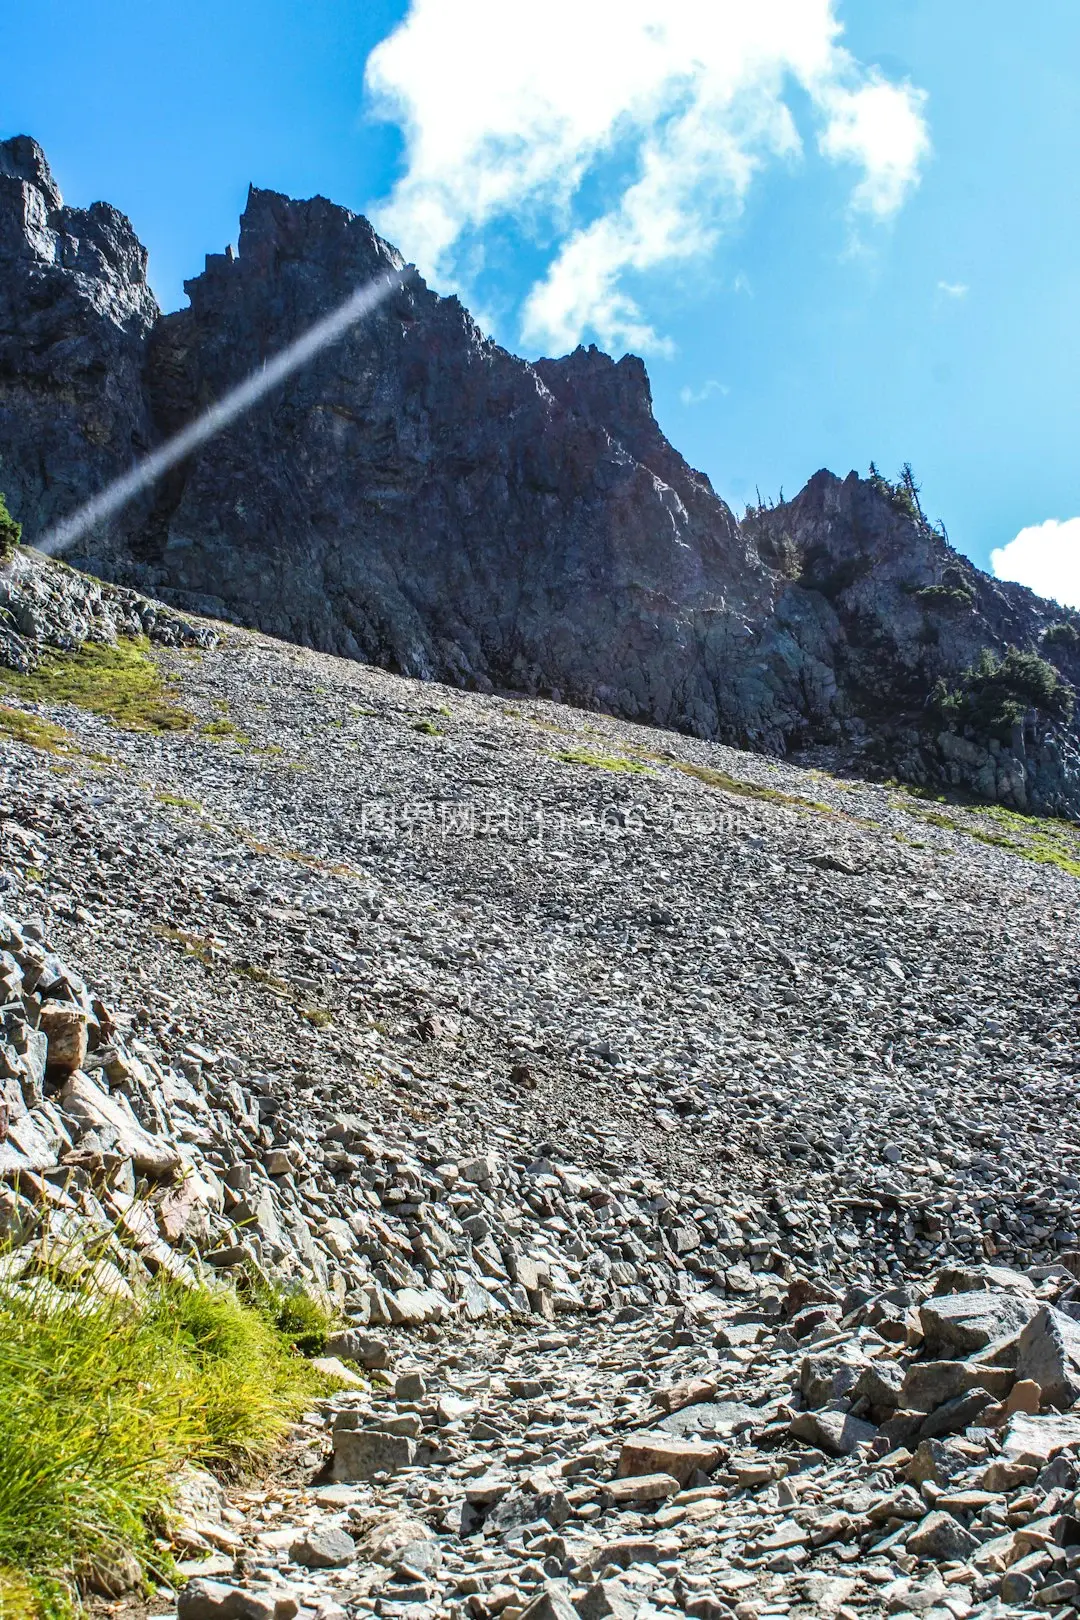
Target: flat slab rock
(656, 1454)
(958, 1324)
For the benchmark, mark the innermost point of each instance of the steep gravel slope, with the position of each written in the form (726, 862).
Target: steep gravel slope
(690, 1139)
(658, 949)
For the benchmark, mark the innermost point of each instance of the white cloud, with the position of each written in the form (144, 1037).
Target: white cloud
(698, 396)
(1045, 557)
(954, 289)
(528, 112)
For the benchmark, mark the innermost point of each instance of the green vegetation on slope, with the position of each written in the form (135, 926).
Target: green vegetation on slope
(1042, 839)
(10, 533)
(744, 790)
(122, 683)
(996, 693)
(101, 1402)
(32, 729)
(602, 762)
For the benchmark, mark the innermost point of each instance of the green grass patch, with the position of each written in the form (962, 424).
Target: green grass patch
(32, 729)
(1043, 839)
(10, 536)
(318, 1017)
(426, 728)
(122, 683)
(100, 1403)
(222, 729)
(745, 790)
(261, 975)
(194, 945)
(177, 802)
(603, 762)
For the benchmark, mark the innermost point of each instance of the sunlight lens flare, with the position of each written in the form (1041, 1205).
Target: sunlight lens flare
(226, 410)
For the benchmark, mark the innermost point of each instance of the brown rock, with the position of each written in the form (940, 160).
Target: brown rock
(642, 1488)
(65, 1029)
(656, 1454)
(688, 1394)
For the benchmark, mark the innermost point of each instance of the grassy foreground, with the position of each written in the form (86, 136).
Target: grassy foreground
(100, 1403)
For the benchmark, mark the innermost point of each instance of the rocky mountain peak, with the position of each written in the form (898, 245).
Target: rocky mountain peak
(22, 160)
(420, 498)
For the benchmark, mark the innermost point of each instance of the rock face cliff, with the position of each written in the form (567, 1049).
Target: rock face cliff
(75, 315)
(419, 498)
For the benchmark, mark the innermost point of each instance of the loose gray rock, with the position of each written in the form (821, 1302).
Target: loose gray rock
(363, 1453)
(941, 1536)
(957, 1324)
(331, 1548)
(1049, 1353)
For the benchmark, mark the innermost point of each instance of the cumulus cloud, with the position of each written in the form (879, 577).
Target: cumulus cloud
(1046, 558)
(954, 289)
(623, 133)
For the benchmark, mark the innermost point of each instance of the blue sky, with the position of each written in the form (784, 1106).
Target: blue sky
(832, 248)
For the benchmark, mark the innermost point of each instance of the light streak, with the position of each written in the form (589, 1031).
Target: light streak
(225, 410)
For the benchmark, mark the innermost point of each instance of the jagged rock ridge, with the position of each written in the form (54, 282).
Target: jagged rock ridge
(420, 498)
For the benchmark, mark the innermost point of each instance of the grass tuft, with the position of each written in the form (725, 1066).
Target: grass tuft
(176, 801)
(745, 790)
(33, 730)
(602, 762)
(219, 730)
(101, 1403)
(122, 683)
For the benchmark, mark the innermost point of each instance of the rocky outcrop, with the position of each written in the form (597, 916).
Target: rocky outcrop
(904, 620)
(419, 498)
(75, 314)
(45, 608)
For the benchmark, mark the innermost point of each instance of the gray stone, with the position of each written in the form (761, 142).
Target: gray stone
(957, 1414)
(1034, 1440)
(940, 1536)
(329, 1548)
(551, 1604)
(363, 1453)
(963, 1323)
(92, 1109)
(1049, 1354)
(215, 1600)
(351, 1344)
(605, 1600)
(929, 1384)
(838, 1433)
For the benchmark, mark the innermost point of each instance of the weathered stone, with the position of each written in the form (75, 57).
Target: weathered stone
(1049, 1356)
(838, 1433)
(939, 1535)
(65, 1029)
(606, 1600)
(328, 1548)
(962, 1323)
(656, 1454)
(93, 1109)
(641, 1488)
(353, 1345)
(1034, 1440)
(363, 1453)
(550, 1604)
(929, 1384)
(213, 1600)
(957, 1414)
